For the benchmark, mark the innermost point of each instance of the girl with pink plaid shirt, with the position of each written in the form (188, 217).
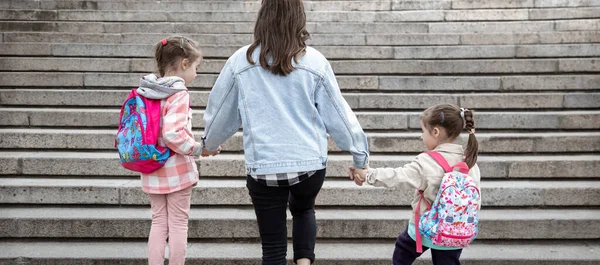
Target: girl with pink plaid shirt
(170, 187)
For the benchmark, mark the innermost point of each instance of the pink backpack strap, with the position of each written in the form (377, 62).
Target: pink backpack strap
(461, 166)
(418, 219)
(440, 160)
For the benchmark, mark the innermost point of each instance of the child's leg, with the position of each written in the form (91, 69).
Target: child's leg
(159, 231)
(446, 257)
(178, 206)
(405, 252)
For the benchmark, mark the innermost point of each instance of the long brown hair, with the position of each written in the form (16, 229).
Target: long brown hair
(281, 33)
(449, 117)
(170, 51)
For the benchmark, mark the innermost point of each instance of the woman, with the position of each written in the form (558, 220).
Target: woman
(287, 98)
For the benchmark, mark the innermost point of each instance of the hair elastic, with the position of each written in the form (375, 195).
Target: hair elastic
(442, 117)
(462, 115)
(164, 42)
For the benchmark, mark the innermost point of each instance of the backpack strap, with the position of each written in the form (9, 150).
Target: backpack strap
(417, 221)
(461, 167)
(132, 94)
(440, 160)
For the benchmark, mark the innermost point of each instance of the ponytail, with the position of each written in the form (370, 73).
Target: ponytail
(472, 144)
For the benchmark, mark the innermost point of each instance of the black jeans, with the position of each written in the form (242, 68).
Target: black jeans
(405, 253)
(270, 205)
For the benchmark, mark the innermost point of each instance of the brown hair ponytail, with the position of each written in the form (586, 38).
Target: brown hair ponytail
(472, 144)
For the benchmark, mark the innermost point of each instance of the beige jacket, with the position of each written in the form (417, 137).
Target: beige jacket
(423, 173)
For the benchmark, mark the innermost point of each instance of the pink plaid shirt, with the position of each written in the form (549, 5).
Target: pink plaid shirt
(180, 170)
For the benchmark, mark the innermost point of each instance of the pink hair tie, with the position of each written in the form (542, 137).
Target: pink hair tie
(164, 42)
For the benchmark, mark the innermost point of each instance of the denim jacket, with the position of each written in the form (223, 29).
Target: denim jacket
(286, 119)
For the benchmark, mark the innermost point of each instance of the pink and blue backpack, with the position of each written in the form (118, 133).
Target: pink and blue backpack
(453, 218)
(138, 133)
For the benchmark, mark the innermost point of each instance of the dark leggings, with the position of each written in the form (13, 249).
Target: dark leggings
(405, 253)
(270, 205)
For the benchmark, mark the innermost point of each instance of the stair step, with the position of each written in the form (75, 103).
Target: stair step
(231, 165)
(357, 101)
(334, 193)
(331, 52)
(388, 120)
(346, 82)
(516, 27)
(368, 67)
(382, 5)
(128, 222)
(402, 142)
(547, 29)
(314, 16)
(130, 253)
(319, 39)
(241, 5)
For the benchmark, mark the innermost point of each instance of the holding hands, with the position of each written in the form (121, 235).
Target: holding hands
(206, 152)
(358, 175)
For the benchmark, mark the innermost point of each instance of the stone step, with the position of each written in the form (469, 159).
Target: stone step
(346, 82)
(331, 52)
(314, 16)
(240, 223)
(241, 5)
(135, 253)
(473, 4)
(461, 66)
(532, 26)
(84, 139)
(388, 120)
(334, 193)
(318, 39)
(381, 5)
(55, 164)
(366, 67)
(541, 27)
(577, 25)
(357, 101)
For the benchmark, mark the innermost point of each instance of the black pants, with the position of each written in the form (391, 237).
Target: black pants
(405, 253)
(270, 205)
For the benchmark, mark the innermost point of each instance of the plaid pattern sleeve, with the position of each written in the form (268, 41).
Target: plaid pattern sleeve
(176, 130)
(282, 179)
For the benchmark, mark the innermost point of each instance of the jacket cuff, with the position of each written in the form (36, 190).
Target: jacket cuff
(197, 151)
(370, 177)
(363, 163)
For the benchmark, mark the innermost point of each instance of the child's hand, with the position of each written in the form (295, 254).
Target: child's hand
(358, 175)
(206, 152)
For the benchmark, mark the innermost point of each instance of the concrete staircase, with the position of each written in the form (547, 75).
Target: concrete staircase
(530, 69)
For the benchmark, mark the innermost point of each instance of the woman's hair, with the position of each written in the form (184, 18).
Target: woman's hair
(170, 51)
(454, 119)
(281, 33)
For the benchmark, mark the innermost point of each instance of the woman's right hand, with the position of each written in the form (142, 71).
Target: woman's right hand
(206, 152)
